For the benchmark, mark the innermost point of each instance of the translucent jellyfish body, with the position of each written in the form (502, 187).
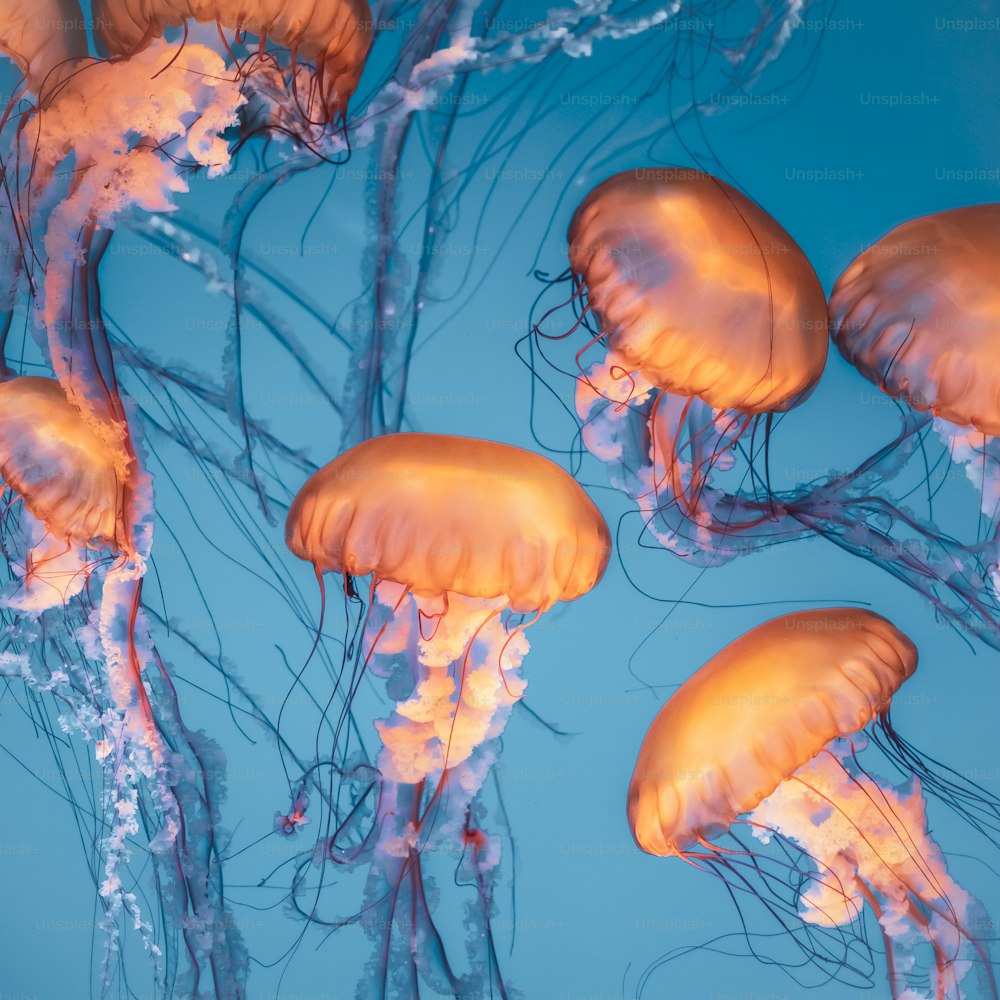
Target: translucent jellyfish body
(918, 314)
(712, 318)
(767, 738)
(67, 480)
(461, 539)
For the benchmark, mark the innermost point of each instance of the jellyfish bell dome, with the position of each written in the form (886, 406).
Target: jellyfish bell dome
(918, 314)
(700, 290)
(759, 710)
(46, 38)
(335, 35)
(439, 514)
(52, 458)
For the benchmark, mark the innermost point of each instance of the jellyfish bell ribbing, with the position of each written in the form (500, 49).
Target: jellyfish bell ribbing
(50, 456)
(700, 290)
(442, 514)
(918, 314)
(68, 480)
(46, 38)
(760, 709)
(334, 34)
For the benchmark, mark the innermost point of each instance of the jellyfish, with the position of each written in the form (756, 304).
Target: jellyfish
(65, 477)
(756, 771)
(466, 544)
(710, 321)
(917, 315)
(309, 87)
(68, 542)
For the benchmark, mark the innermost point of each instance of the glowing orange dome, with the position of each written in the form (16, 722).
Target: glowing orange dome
(700, 289)
(51, 457)
(438, 513)
(754, 714)
(918, 314)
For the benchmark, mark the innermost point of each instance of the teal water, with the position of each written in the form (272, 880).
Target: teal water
(890, 113)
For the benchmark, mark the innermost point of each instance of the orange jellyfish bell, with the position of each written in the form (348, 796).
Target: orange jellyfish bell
(46, 38)
(918, 314)
(53, 459)
(440, 514)
(767, 739)
(700, 290)
(759, 710)
(333, 34)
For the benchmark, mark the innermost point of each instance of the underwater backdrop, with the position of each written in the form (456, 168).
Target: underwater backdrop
(388, 274)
